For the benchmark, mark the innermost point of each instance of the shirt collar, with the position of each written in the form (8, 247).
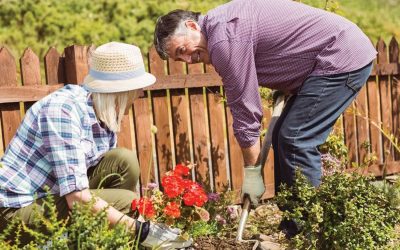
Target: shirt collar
(202, 25)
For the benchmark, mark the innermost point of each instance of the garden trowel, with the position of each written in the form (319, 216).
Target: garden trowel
(266, 145)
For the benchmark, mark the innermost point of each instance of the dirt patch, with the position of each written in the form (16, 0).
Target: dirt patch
(209, 243)
(262, 225)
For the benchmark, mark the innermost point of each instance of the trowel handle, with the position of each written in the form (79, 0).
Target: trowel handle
(243, 217)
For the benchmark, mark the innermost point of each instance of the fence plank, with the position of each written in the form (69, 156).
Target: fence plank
(373, 115)
(350, 132)
(186, 81)
(10, 112)
(54, 67)
(30, 71)
(218, 153)
(199, 123)
(142, 118)
(362, 124)
(395, 81)
(30, 68)
(26, 93)
(180, 116)
(125, 138)
(378, 169)
(200, 137)
(76, 63)
(235, 155)
(160, 102)
(269, 178)
(386, 107)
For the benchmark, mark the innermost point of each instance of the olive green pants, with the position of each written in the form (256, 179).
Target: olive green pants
(113, 179)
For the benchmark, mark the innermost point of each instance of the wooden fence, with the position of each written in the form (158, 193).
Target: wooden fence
(194, 124)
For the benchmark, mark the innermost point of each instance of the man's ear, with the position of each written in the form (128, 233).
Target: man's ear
(190, 24)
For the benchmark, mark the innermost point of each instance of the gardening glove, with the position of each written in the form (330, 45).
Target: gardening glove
(253, 184)
(161, 236)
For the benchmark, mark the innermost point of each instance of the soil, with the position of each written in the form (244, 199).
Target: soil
(265, 220)
(208, 243)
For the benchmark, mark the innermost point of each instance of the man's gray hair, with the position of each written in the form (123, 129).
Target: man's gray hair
(170, 25)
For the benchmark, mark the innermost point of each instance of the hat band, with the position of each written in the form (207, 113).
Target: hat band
(108, 76)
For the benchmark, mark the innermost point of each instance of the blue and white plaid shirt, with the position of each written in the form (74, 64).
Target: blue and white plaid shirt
(58, 140)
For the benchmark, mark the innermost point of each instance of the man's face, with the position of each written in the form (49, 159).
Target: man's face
(190, 48)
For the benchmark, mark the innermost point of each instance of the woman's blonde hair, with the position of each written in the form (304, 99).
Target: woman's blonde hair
(110, 107)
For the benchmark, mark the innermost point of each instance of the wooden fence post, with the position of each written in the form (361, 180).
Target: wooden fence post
(395, 84)
(10, 112)
(30, 72)
(385, 101)
(216, 114)
(54, 67)
(180, 115)
(76, 63)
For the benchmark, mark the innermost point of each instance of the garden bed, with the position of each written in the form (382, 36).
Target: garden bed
(262, 225)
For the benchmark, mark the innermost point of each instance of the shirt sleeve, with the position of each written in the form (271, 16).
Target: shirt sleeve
(61, 130)
(234, 62)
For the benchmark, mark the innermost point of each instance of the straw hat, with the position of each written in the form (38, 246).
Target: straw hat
(117, 67)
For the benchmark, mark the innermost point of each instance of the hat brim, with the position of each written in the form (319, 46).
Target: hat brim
(112, 86)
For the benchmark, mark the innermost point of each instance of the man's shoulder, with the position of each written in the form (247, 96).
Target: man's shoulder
(229, 22)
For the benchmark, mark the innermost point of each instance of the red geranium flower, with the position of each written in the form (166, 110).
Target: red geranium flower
(144, 206)
(172, 210)
(195, 195)
(173, 185)
(181, 170)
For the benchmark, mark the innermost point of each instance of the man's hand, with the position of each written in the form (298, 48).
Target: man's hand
(253, 184)
(163, 237)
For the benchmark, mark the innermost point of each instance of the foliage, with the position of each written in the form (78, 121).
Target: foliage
(345, 212)
(377, 18)
(84, 231)
(202, 228)
(45, 23)
(391, 191)
(334, 154)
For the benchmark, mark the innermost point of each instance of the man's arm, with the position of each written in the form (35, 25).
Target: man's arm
(234, 62)
(114, 216)
(250, 154)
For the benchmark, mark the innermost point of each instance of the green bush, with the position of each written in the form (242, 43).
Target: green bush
(345, 212)
(84, 231)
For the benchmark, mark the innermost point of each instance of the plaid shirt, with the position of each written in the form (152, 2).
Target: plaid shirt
(58, 140)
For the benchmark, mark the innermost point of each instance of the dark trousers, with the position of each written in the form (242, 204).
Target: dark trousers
(307, 120)
(114, 180)
(305, 124)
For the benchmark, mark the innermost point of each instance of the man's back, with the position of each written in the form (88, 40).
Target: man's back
(290, 40)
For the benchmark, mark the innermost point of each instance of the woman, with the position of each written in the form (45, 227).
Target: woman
(66, 144)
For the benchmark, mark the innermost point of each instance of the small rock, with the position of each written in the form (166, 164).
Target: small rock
(268, 245)
(263, 237)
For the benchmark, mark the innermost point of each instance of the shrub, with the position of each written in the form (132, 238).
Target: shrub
(345, 212)
(84, 231)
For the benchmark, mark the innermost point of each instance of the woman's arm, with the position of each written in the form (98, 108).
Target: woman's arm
(114, 216)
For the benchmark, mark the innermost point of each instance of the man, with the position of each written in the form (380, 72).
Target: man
(67, 143)
(320, 58)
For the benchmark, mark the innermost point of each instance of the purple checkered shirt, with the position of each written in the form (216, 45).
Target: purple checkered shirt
(58, 140)
(276, 44)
